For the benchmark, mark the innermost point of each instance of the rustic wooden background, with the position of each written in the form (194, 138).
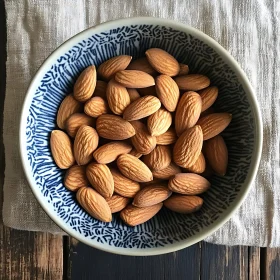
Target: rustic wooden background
(30, 255)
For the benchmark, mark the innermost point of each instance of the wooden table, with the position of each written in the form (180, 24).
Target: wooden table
(29, 255)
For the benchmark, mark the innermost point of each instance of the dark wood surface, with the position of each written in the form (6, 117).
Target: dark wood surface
(29, 255)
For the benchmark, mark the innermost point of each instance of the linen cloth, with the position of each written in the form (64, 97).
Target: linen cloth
(249, 30)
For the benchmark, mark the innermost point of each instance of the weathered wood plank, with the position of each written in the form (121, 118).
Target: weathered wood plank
(272, 264)
(254, 263)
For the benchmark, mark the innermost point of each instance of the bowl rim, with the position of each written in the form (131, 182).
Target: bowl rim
(256, 155)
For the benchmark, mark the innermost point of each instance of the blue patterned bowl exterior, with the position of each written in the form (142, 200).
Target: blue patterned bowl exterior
(167, 231)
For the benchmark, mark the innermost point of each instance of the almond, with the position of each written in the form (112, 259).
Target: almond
(134, 79)
(68, 106)
(167, 92)
(183, 204)
(110, 151)
(85, 84)
(100, 177)
(214, 124)
(86, 141)
(111, 66)
(188, 183)
(217, 154)
(75, 178)
(133, 94)
(96, 106)
(167, 172)
(123, 185)
(134, 216)
(208, 97)
(159, 158)
(94, 204)
(74, 122)
(141, 108)
(151, 195)
(142, 64)
(117, 203)
(148, 91)
(188, 147)
(159, 122)
(188, 111)
(117, 96)
(184, 69)
(114, 127)
(142, 141)
(134, 168)
(163, 62)
(100, 89)
(135, 153)
(192, 82)
(199, 166)
(61, 148)
(167, 138)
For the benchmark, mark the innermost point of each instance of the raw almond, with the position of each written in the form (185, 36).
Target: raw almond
(75, 121)
(135, 153)
(188, 111)
(96, 106)
(159, 122)
(148, 91)
(192, 82)
(117, 97)
(151, 195)
(117, 203)
(61, 148)
(101, 179)
(217, 154)
(123, 185)
(85, 84)
(184, 69)
(208, 97)
(183, 204)
(75, 178)
(133, 94)
(134, 168)
(114, 127)
(167, 172)
(214, 124)
(110, 151)
(134, 79)
(111, 66)
(199, 166)
(188, 147)
(188, 183)
(134, 216)
(142, 64)
(86, 141)
(159, 158)
(167, 92)
(163, 62)
(100, 89)
(167, 138)
(94, 204)
(68, 106)
(141, 108)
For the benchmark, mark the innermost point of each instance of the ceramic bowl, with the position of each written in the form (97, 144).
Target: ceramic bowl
(167, 231)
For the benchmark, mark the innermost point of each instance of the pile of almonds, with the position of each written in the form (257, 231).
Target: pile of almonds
(135, 139)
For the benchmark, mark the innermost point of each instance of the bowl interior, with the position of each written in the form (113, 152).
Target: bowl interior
(55, 80)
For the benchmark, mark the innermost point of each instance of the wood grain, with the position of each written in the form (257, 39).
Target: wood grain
(271, 267)
(254, 263)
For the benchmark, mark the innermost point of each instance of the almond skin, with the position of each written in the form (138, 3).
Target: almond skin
(188, 147)
(135, 153)
(134, 216)
(101, 179)
(117, 97)
(94, 204)
(188, 183)
(159, 122)
(133, 94)
(86, 141)
(151, 195)
(96, 106)
(188, 111)
(61, 148)
(183, 204)
(134, 168)
(114, 127)
(134, 79)
(167, 138)
(141, 108)
(142, 64)
(217, 154)
(85, 84)
(110, 151)
(199, 166)
(100, 89)
(192, 82)
(184, 69)
(123, 185)
(163, 62)
(214, 124)
(75, 178)
(68, 107)
(167, 92)
(167, 172)
(208, 97)
(111, 66)
(117, 203)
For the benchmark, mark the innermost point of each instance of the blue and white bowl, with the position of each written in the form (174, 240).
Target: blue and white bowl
(167, 231)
